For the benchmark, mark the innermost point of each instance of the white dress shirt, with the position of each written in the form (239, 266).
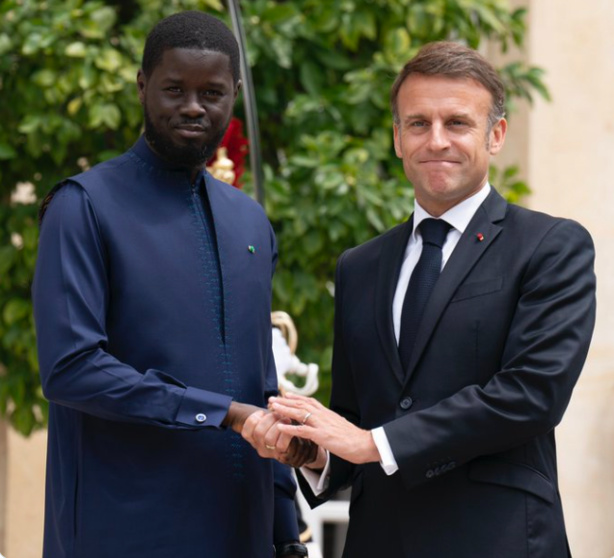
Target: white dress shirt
(458, 217)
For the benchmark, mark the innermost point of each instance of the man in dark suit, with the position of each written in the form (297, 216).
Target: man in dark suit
(447, 387)
(152, 299)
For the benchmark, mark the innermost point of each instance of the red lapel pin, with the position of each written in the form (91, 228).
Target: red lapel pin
(480, 237)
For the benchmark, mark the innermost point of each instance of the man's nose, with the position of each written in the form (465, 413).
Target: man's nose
(192, 105)
(438, 137)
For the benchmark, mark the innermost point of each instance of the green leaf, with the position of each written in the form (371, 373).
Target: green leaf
(109, 60)
(23, 420)
(7, 152)
(87, 77)
(30, 238)
(7, 258)
(510, 171)
(5, 43)
(283, 50)
(32, 44)
(110, 84)
(397, 45)
(334, 60)
(74, 105)
(279, 13)
(76, 50)
(365, 24)
(14, 310)
(311, 77)
(304, 161)
(30, 124)
(313, 242)
(44, 78)
(104, 114)
(99, 23)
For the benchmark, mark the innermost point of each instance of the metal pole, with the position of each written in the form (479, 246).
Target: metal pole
(249, 99)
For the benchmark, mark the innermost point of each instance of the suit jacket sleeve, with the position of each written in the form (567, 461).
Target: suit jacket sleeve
(343, 401)
(547, 343)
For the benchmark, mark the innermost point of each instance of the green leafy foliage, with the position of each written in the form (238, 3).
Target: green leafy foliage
(68, 100)
(322, 72)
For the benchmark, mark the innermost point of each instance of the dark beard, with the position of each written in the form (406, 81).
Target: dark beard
(191, 156)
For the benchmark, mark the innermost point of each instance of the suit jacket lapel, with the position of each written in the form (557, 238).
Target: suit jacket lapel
(391, 259)
(480, 233)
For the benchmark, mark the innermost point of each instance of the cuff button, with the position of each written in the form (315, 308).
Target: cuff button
(201, 417)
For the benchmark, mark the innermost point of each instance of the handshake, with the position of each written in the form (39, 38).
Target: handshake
(264, 430)
(298, 430)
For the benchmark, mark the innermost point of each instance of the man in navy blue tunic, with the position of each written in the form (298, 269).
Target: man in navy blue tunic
(152, 300)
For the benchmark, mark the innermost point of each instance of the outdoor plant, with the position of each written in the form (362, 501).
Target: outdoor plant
(322, 72)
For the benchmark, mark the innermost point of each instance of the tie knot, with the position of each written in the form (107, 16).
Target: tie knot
(434, 231)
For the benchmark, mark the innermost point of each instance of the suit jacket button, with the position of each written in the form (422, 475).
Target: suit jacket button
(406, 403)
(201, 417)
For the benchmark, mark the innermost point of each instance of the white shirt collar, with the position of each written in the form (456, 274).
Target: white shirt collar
(457, 216)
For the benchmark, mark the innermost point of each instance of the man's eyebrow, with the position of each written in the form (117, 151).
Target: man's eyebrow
(407, 119)
(461, 116)
(177, 80)
(171, 79)
(454, 116)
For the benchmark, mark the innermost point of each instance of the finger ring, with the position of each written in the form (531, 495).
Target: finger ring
(269, 447)
(306, 418)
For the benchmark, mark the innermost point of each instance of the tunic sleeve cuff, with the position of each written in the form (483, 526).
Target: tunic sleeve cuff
(200, 408)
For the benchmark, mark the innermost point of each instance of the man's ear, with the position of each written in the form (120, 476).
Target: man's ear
(497, 136)
(397, 141)
(238, 86)
(141, 83)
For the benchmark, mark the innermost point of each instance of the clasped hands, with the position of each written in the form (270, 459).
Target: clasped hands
(297, 431)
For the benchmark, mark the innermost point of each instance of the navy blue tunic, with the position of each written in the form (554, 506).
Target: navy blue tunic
(149, 322)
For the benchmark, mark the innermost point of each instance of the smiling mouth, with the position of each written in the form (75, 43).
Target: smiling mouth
(440, 162)
(190, 131)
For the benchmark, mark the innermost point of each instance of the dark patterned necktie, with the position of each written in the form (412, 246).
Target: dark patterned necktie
(423, 279)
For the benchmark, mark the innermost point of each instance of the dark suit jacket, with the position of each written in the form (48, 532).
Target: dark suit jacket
(140, 354)
(471, 422)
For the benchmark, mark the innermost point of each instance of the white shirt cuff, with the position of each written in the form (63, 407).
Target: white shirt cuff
(388, 462)
(318, 482)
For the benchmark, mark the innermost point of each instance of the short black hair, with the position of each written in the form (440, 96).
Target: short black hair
(190, 29)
